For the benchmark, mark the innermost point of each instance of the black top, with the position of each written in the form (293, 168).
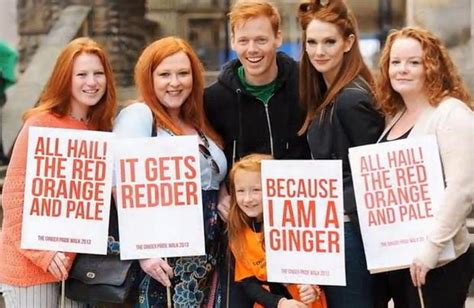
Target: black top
(241, 119)
(404, 136)
(351, 120)
(255, 289)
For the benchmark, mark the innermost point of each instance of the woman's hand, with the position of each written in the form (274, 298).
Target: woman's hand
(59, 265)
(308, 293)
(290, 303)
(158, 269)
(418, 273)
(223, 205)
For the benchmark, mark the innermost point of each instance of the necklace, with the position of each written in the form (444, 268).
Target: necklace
(81, 119)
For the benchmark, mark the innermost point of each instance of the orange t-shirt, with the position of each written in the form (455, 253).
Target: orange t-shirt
(254, 264)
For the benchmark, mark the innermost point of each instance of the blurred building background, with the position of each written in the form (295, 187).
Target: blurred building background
(124, 27)
(204, 24)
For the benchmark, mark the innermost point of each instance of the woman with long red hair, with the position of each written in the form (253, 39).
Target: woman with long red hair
(422, 93)
(336, 88)
(80, 94)
(169, 78)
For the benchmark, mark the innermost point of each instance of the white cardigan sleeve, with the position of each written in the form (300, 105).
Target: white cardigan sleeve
(455, 133)
(134, 121)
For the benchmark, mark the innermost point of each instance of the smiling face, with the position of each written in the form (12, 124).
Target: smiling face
(88, 83)
(248, 193)
(255, 43)
(406, 69)
(173, 81)
(325, 47)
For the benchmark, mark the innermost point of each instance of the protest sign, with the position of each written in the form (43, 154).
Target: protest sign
(303, 221)
(159, 200)
(398, 186)
(67, 190)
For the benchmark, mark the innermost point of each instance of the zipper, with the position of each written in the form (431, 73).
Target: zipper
(234, 145)
(269, 128)
(238, 141)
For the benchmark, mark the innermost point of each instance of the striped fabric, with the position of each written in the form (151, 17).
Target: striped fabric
(46, 295)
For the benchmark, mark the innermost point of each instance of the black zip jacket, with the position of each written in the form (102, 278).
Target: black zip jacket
(246, 125)
(350, 121)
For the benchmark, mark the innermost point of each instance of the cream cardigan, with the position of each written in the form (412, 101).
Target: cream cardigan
(453, 124)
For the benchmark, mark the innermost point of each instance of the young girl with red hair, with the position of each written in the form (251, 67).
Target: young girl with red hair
(246, 241)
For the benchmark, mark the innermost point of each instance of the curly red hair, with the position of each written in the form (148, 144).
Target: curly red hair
(442, 77)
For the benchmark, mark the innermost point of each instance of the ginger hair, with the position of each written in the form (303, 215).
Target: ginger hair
(313, 93)
(238, 220)
(56, 96)
(441, 76)
(247, 9)
(192, 110)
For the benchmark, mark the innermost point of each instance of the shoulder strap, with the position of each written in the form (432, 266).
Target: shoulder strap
(153, 128)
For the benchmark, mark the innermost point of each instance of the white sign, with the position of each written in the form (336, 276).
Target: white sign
(303, 221)
(67, 190)
(398, 186)
(159, 202)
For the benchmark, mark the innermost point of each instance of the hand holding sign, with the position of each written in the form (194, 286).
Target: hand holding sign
(68, 189)
(398, 188)
(308, 293)
(158, 269)
(59, 265)
(418, 272)
(304, 229)
(158, 184)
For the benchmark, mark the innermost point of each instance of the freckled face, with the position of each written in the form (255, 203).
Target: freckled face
(88, 83)
(248, 189)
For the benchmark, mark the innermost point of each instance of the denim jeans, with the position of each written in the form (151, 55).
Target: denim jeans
(358, 292)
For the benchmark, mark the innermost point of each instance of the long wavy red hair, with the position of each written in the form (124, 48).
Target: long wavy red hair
(441, 76)
(192, 110)
(56, 96)
(313, 93)
(238, 220)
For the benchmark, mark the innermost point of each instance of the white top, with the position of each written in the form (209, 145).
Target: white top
(453, 124)
(136, 120)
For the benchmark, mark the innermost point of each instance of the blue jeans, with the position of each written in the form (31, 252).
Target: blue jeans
(358, 292)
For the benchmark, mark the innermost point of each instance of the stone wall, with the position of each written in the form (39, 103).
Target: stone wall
(8, 23)
(453, 22)
(119, 25)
